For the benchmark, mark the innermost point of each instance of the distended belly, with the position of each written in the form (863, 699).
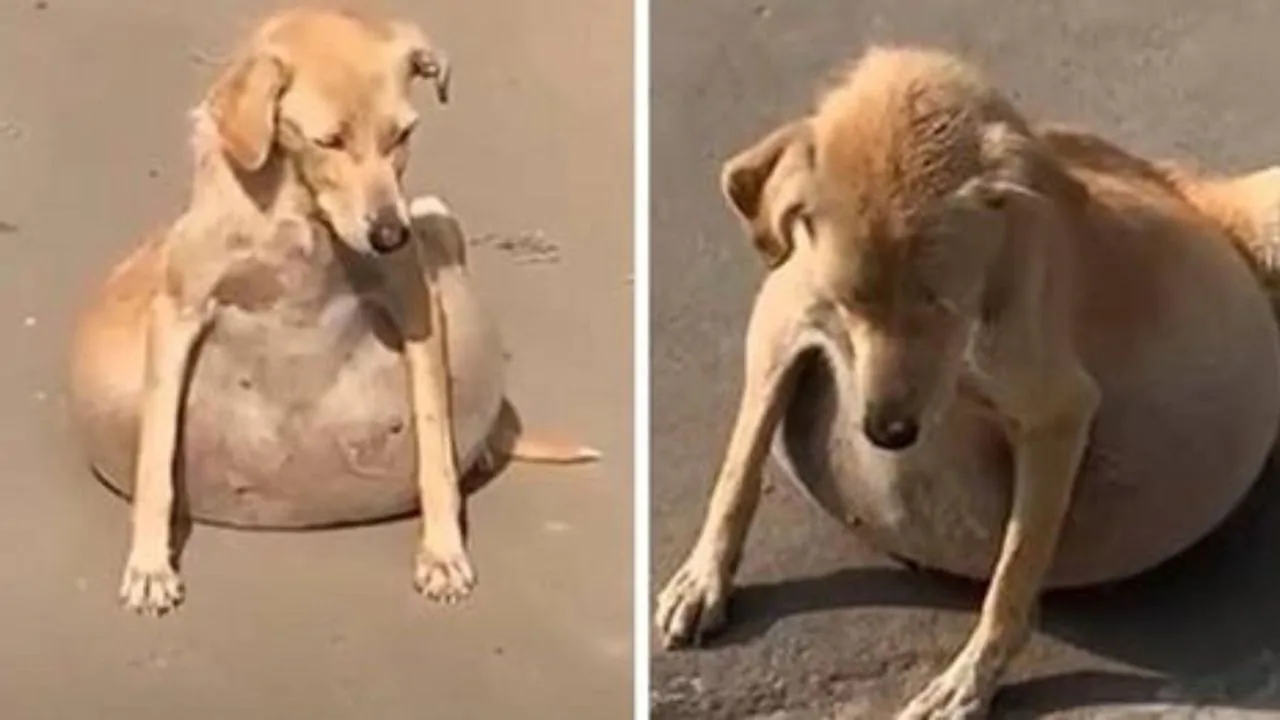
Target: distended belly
(945, 505)
(292, 427)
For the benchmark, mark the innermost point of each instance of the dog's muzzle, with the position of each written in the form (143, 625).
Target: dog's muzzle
(387, 233)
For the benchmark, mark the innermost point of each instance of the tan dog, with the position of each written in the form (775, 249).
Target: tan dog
(251, 361)
(1047, 361)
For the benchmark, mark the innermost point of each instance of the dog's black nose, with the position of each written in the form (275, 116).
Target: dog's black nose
(387, 234)
(889, 431)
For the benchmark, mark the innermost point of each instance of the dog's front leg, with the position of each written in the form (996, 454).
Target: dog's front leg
(151, 584)
(443, 571)
(693, 602)
(1049, 446)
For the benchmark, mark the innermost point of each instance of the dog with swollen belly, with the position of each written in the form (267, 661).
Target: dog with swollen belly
(989, 348)
(302, 347)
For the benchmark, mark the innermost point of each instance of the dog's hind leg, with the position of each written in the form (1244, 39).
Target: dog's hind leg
(1257, 194)
(1247, 207)
(694, 600)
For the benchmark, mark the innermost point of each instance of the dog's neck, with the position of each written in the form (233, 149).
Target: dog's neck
(229, 202)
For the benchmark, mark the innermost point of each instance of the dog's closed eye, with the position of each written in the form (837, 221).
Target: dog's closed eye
(331, 141)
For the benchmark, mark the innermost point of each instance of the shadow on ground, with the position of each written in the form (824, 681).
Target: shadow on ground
(1204, 624)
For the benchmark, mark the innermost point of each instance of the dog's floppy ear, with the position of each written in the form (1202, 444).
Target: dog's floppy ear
(422, 59)
(766, 184)
(243, 105)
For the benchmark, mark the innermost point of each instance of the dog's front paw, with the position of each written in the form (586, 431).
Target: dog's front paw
(693, 603)
(150, 588)
(962, 692)
(444, 577)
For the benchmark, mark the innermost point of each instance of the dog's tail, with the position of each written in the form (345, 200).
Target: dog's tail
(509, 441)
(552, 452)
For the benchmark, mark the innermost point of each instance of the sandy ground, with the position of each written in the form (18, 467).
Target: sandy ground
(537, 143)
(823, 627)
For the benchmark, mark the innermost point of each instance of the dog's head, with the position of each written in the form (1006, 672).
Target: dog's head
(327, 95)
(906, 195)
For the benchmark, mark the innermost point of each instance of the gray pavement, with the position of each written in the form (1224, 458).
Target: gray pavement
(94, 97)
(821, 626)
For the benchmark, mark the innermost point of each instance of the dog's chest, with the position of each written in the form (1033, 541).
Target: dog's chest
(291, 316)
(295, 267)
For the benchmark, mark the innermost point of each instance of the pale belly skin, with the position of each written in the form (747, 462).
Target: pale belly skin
(1190, 405)
(289, 421)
